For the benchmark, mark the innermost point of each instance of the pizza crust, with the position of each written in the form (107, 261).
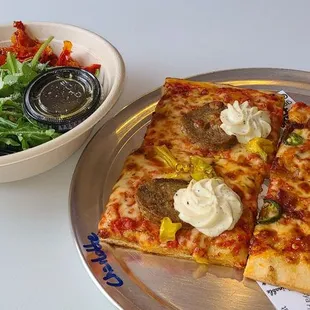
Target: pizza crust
(275, 270)
(215, 257)
(169, 81)
(153, 250)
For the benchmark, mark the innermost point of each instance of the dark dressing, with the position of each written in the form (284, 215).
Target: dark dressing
(63, 96)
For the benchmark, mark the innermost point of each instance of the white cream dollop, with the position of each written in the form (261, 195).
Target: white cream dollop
(245, 122)
(209, 205)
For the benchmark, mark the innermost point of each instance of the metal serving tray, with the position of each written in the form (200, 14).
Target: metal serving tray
(135, 280)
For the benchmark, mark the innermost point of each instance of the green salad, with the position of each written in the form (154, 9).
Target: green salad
(17, 133)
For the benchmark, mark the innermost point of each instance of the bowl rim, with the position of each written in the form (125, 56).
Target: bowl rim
(88, 123)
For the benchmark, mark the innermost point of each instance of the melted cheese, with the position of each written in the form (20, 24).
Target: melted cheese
(245, 178)
(296, 159)
(133, 212)
(300, 188)
(299, 113)
(192, 241)
(240, 155)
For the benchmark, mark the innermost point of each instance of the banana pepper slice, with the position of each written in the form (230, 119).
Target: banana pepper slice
(165, 154)
(262, 147)
(168, 230)
(201, 169)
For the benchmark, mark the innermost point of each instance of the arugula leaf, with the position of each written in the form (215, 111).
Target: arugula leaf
(7, 104)
(8, 141)
(5, 89)
(10, 63)
(6, 123)
(10, 79)
(28, 134)
(38, 54)
(16, 74)
(28, 74)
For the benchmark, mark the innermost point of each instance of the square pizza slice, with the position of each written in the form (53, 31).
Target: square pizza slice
(280, 248)
(193, 113)
(144, 195)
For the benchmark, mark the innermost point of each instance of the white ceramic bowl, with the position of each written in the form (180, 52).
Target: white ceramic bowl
(88, 48)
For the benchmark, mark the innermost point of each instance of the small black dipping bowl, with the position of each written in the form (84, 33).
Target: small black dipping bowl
(62, 97)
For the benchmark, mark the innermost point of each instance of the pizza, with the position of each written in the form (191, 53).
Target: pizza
(206, 144)
(280, 249)
(185, 102)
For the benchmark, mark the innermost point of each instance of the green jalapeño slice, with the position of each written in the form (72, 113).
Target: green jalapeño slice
(294, 139)
(270, 212)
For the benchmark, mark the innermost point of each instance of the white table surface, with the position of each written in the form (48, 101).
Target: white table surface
(40, 267)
